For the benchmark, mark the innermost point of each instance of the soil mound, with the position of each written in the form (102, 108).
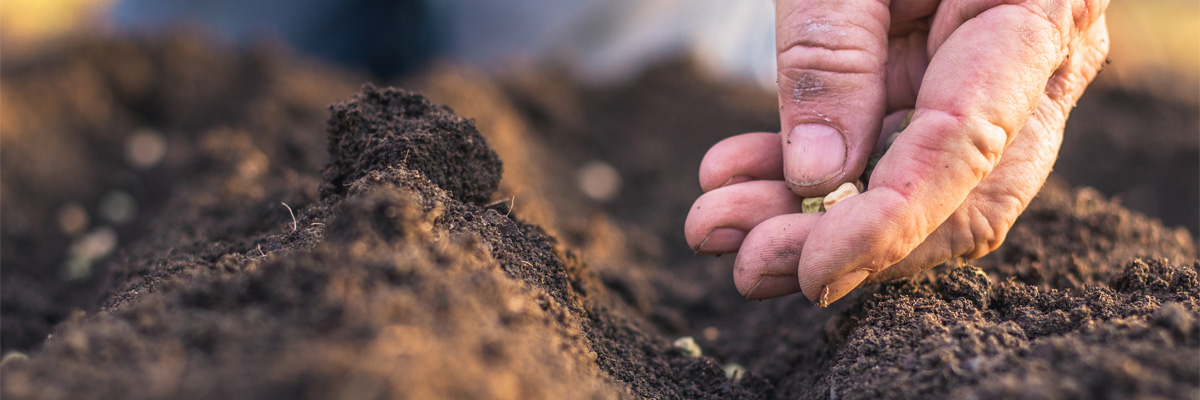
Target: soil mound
(385, 127)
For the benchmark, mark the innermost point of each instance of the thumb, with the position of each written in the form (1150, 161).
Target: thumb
(831, 56)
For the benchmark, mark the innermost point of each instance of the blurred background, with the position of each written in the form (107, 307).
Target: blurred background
(600, 40)
(105, 105)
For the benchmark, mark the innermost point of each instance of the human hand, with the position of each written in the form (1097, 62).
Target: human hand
(991, 82)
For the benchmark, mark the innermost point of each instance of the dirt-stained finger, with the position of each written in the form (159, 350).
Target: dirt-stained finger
(982, 222)
(720, 219)
(741, 158)
(831, 57)
(766, 265)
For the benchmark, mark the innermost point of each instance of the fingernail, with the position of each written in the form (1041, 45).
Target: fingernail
(815, 154)
(772, 286)
(841, 286)
(735, 180)
(721, 240)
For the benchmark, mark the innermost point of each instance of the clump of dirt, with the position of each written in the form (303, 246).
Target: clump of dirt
(380, 128)
(389, 274)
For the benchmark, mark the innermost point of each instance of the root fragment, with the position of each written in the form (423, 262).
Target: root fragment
(295, 224)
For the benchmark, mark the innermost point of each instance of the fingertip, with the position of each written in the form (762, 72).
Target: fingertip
(742, 158)
(739, 207)
(772, 249)
(838, 288)
(770, 286)
(721, 241)
(859, 234)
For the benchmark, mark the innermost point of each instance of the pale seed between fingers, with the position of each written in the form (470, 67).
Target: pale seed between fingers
(841, 193)
(812, 204)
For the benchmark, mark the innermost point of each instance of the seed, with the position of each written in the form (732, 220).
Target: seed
(734, 372)
(812, 204)
(841, 193)
(687, 345)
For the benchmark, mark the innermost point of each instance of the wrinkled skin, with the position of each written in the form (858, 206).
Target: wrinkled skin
(992, 83)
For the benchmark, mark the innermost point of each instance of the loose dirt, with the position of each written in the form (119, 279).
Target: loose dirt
(418, 267)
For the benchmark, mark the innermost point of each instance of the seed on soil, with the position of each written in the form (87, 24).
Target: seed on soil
(841, 193)
(734, 371)
(812, 204)
(687, 345)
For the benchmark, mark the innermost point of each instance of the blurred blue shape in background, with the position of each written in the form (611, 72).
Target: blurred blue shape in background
(598, 40)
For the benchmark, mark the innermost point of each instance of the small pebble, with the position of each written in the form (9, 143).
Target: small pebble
(687, 345)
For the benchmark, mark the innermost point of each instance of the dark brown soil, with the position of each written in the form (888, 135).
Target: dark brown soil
(405, 274)
(252, 120)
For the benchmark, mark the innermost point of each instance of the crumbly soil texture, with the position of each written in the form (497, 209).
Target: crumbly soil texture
(401, 250)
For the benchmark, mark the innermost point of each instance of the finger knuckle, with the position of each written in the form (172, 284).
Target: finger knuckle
(841, 45)
(984, 140)
(989, 222)
(1087, 12)
(829, 56)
